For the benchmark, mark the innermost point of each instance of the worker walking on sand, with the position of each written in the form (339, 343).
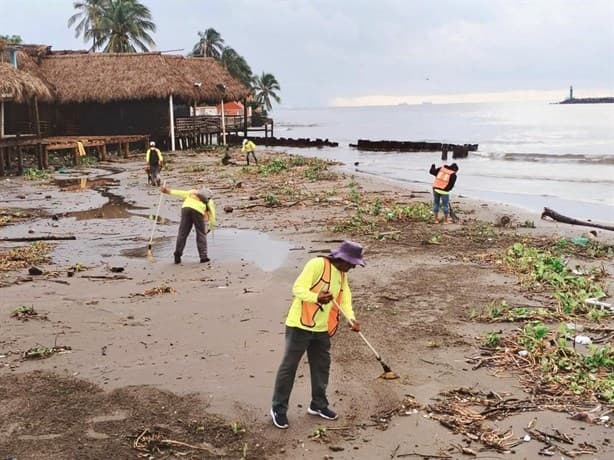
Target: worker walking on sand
(249, 147)
(155, 161)
(312, 320)
(445, 178)
(198, 211)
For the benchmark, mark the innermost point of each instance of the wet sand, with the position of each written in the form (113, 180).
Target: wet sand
(219, 333)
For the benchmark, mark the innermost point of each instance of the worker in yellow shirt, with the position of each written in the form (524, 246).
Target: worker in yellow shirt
(249, 147)
(154, 160)
(198, 211)
(312, 319)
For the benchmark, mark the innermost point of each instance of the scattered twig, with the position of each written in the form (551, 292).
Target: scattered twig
(106, 277)
(40, 238)
(418, 454)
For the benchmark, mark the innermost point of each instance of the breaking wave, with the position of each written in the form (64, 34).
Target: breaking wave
(549, 157)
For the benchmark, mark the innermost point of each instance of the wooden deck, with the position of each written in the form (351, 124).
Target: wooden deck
(15, 150)
(200, 130)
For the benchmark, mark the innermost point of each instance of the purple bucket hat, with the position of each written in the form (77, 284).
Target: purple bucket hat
(350, 252)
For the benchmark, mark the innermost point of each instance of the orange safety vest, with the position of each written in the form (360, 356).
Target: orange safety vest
(443, 178)
(309, 310)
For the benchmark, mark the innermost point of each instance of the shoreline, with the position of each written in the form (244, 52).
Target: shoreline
(490, 210)
(533, 200)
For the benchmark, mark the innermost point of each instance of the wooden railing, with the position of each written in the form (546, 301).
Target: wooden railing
(206, 124)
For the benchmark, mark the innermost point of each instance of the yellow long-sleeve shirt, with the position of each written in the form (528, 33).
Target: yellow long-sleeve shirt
(301, 290)
(249, 146)
(192, 201)
(155, 151)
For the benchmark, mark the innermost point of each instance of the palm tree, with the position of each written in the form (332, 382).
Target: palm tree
(264, 89)
(237, 66)
(210, 44)
(88, 15)
(124, 26)
(12, 39)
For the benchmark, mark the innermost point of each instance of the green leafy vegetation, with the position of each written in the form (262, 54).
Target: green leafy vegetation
(491, 339)
(88, 160)
(194, 168)
(587, 248)
(274, 166)
(35, 174)
(500, 311)
(547, 362)
(374, 215)
(539, 268)
(417, 212)
(271, 201)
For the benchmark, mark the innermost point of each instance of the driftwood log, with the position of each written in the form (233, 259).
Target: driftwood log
(40, 238)
(570, 220)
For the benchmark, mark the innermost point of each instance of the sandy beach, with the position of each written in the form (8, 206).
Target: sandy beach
(148, 359)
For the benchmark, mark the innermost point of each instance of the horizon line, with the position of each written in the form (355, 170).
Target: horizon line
(547, 96)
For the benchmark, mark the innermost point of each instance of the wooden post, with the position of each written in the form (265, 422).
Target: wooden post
(171, 117)
(126, 149)
(1, 119)
(103, 152)
(272, 135)
(194, 121)
(45, 157)
(266, 130)
(75, 156)
(19, 160)
(8, 158)
(37, 120)
(1, 161)
(244, 117)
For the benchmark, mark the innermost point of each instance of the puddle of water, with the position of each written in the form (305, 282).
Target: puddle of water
(265, 251)
(81, 183)
(114, 208)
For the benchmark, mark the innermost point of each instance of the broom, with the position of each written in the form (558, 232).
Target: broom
(153, 228)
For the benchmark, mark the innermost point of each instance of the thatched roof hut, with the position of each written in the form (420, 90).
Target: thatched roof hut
(208, 73)
(21, 86)
(115, 77)
(118, 93)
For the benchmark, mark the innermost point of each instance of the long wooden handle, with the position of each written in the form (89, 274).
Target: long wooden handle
(157, 214)
(377, 355)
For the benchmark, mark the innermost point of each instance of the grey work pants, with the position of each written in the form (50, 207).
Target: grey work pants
(253, 155)
(317, 346)
(190, 217)
(154, 174)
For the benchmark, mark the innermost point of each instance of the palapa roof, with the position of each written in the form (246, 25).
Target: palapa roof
(21, 86)
(80, 77)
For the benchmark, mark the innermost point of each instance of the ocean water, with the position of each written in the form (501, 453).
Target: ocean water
(530, 155)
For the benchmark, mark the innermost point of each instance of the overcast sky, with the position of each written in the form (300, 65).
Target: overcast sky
(359, 52)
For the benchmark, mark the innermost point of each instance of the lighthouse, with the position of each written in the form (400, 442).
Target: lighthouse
(571, 93)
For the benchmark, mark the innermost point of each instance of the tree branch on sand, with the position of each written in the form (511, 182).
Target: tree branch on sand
(570, 220)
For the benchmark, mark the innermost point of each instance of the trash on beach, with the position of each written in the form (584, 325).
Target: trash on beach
(583, 340)
(580, 240)
(523, 353)
(526, 438)
(44, 352)
(597, 303)
(26, 312)
(164, 289)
